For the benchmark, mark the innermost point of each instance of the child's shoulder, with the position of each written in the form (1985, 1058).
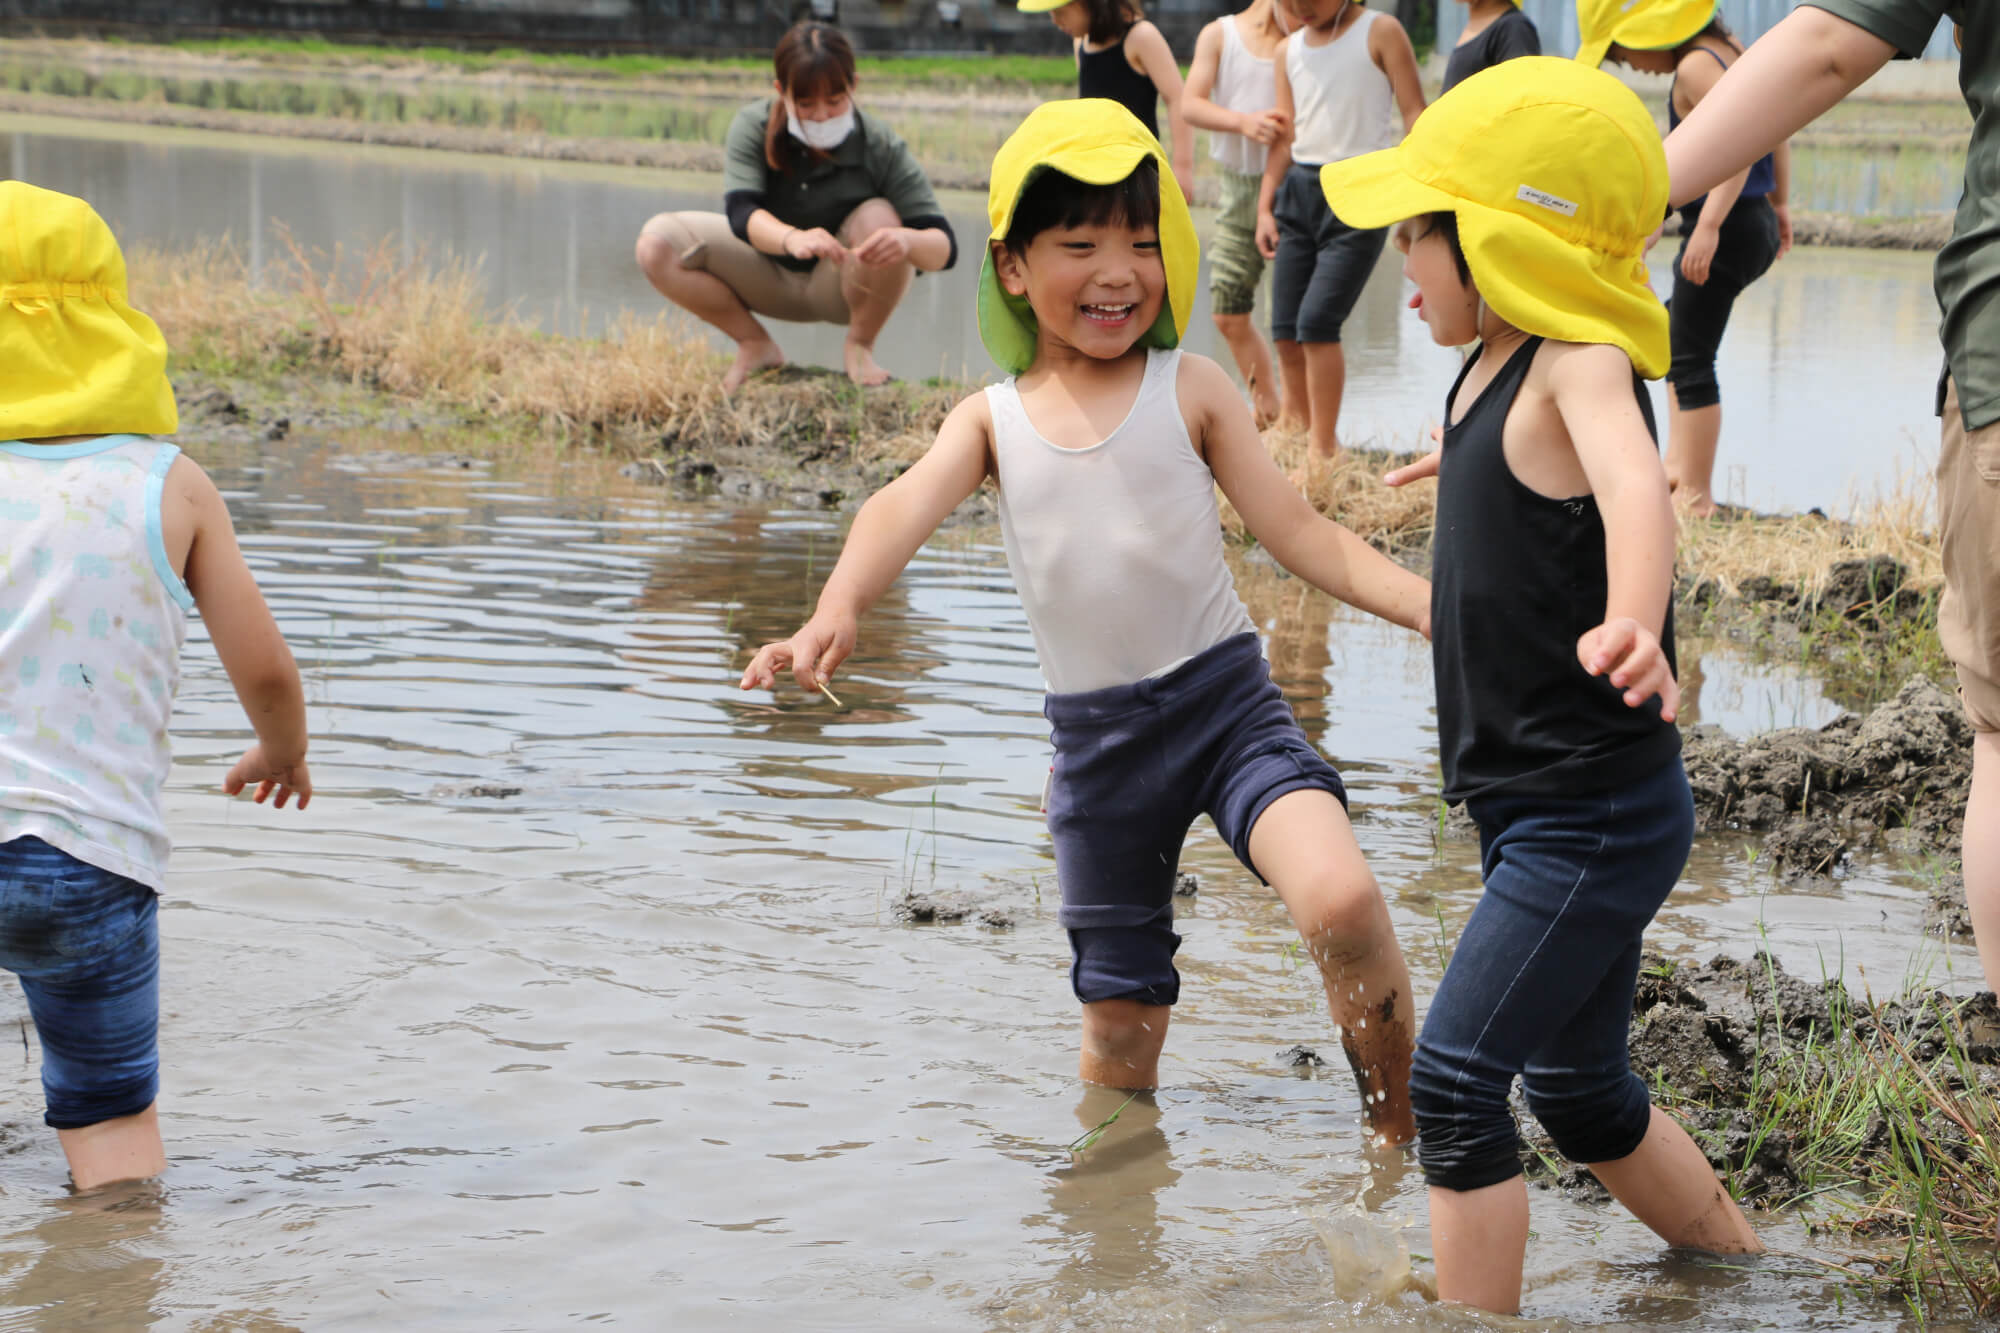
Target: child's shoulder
(1583, 361)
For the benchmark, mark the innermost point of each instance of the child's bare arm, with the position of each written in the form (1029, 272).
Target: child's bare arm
(1277, 162)
(1389, 47)
(1323, 553)
(1785, 80)
(1197, 107)
(1592, 388)
(247, 639)
(1156, 61)
(886, 533)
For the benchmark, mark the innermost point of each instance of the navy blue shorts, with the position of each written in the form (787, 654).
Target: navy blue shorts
(85, 944)
(1134, 765)
(1322, 263)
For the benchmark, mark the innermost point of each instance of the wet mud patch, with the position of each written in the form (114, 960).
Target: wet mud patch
(1819, 794)
(950, 907)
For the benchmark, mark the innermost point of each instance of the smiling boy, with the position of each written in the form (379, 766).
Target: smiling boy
(1107, 445)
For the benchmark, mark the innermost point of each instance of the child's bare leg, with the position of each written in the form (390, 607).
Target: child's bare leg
(1326, 385)
(1297, 410)
(109, 1151)
(1121, 1043)
(872, 291)
(1693, 437)
(1253, 360)
(1479, 1239)
(1668, 1184)
(1305, 847)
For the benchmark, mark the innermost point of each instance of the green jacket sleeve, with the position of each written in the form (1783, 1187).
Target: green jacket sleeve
(1906, 25)
(743, 164)
(898, 178)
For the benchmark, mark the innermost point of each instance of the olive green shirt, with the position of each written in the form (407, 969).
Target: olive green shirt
(1968, 268)
(871, 163)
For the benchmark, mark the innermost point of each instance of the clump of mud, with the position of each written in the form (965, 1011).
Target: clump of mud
(947, 907)
(1819, 794)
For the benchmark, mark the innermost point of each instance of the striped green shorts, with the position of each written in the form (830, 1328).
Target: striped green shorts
(1234, 266)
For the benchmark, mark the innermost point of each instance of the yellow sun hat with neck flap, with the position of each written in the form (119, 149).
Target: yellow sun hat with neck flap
(1098, 142)
(1557, 177)
(75, 357)
(1637, 25)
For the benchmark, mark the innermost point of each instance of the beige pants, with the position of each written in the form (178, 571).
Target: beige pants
(1969, 514)
(704, 242)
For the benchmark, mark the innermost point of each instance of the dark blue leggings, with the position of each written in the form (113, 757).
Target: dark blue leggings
(1698, 314)
(1541, 984)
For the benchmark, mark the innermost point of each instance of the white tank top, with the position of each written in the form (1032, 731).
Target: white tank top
(1116, 549)
(91, 623)
(1342, 104)
(1242, 83)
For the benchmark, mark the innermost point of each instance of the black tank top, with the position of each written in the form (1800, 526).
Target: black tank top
(1516, 579)
(1108, 73)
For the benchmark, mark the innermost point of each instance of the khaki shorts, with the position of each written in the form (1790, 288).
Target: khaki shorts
(1969, 513)
(704, 242)
(1234, 263)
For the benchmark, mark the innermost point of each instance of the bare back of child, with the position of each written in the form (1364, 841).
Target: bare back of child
(1106, 438)
(108, 537)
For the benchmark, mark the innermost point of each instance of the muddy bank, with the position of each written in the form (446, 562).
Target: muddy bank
(1728, 1045)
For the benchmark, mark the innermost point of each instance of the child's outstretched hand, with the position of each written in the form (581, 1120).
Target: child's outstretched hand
(1631, 655)
(288, 781)
(812, 654)
(1423, 468)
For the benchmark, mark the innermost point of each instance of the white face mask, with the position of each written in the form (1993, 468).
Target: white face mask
(824, 135)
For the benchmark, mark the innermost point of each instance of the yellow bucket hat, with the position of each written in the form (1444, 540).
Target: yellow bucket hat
(1039, 6)
(1638, 25)
(75, 357)
(1098, 142)
(1557, 177)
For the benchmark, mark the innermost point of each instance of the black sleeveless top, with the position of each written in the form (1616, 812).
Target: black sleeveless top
(1516, 579)
(1108, 73)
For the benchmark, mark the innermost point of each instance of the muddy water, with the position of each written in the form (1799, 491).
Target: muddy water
(1827, 370)
(579, 993)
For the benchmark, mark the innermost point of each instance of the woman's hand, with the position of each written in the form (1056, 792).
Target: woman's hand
(814, 243)
(286, 780)
(1700, 253)
(1264, 127)
(888, 245)
(1267, 233)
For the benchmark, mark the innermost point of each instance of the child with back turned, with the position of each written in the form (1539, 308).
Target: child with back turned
(1524, 198)
(107, 539)
(1106, 447)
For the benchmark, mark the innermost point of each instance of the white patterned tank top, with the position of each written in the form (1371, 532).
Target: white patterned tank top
(92, 619)
(1116, 549)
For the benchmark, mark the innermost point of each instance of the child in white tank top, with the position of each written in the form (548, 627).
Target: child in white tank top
(1347, 84)
(1107, 446)
(107, 539)
(1232, 93)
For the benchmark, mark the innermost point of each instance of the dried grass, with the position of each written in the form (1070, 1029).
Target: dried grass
(416, 329)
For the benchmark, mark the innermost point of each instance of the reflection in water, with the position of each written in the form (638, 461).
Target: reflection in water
(96, 1262)
(578, 996)
(1826, 369)
(1106, 1203)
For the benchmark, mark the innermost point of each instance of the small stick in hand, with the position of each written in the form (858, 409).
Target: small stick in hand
(829, 694)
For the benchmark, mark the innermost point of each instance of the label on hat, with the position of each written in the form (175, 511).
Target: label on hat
(1555, 203)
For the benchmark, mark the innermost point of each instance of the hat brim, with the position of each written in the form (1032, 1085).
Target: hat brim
(1377, 190)
(1039, 6)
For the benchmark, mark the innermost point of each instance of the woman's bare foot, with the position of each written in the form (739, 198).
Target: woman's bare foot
(752, 357)
(1308, 475)
(861, 366)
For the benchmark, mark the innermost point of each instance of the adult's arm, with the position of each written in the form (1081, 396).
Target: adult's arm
(1786, 80)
